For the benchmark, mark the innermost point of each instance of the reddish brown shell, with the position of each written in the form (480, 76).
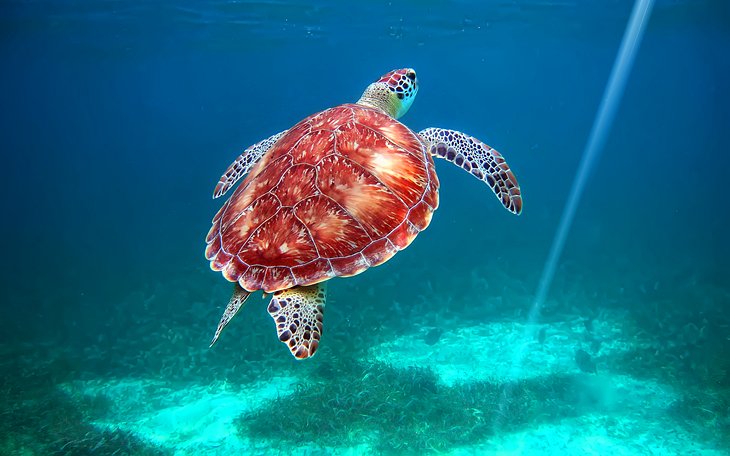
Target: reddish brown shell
(343, 190)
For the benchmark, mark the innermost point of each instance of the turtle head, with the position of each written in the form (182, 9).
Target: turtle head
(393, 93)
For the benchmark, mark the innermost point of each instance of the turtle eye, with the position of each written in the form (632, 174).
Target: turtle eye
(411, 75)
(400, 95)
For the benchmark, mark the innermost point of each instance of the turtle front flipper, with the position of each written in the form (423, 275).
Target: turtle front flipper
(298, 313)
(243, 164)
(238, 299)
(478, 159)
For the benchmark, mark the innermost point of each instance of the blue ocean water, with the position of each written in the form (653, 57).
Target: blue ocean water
(118, 117)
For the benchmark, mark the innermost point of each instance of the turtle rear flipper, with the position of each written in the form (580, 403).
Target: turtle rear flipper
(298, 315)
(238, 299)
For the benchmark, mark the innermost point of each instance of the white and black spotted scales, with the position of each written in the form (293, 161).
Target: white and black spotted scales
(478, 159)
(298, 314)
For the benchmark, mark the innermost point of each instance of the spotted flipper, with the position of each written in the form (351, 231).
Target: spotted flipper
(243, 164)
(234, 305)
(298, 315)
(478, 159)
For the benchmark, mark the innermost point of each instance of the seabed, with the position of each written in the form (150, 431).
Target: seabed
(444, 384)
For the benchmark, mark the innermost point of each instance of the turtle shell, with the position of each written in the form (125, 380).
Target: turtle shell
(341, 191)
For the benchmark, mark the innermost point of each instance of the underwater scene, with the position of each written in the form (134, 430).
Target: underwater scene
(571, 297)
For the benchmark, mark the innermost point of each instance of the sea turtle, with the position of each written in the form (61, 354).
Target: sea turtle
(339, 192)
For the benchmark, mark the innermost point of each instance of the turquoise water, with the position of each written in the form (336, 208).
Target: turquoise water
(118, 117)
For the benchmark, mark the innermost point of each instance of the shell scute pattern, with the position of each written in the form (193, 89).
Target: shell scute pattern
(358, 192)
(313, 147)
(297, 183)
(322, 215)
(385, 160)
(282, 240)
(342, 191)
(395, 131)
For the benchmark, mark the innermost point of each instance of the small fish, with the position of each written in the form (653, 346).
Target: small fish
(588, 323)
(542, 334)
(596, 345)
(585, 362)
(432, 336)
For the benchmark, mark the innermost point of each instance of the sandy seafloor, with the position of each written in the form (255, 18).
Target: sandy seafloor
(644, 398)
(416, 358)
(622, 414)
